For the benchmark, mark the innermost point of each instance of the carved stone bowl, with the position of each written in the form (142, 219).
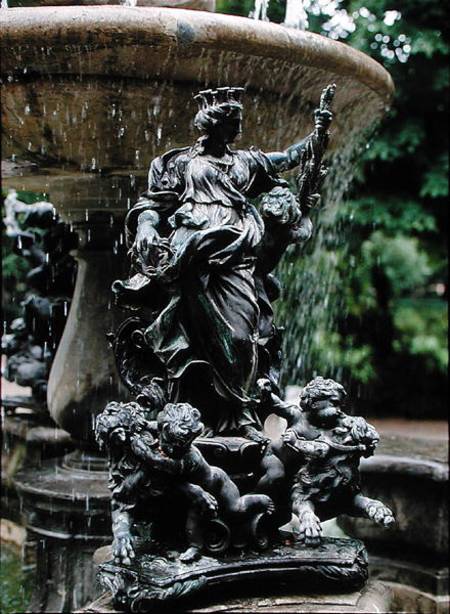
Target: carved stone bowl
(106, 88)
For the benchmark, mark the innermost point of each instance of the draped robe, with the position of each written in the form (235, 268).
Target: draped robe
(214, 314)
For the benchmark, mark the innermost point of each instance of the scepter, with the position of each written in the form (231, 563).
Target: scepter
(312, 172)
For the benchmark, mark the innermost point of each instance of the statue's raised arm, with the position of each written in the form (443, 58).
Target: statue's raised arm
(314, 144)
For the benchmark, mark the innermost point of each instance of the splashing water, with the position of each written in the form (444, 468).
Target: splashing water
(128, 2)
(4, 4)
(296, 15)
(260, 10)
(310, 277)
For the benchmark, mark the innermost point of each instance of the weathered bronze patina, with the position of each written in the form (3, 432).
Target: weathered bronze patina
(201, 356)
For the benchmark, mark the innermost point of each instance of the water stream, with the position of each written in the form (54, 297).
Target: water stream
(295, 17)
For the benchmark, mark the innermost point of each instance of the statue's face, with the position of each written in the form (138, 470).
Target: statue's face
(326, 412)
(118, 435)
(231, 128)
(172, 445)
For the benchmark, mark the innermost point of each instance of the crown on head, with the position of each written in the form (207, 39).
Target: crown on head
(231, 96)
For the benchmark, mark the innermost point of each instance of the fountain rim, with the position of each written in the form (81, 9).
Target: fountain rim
(111, 26)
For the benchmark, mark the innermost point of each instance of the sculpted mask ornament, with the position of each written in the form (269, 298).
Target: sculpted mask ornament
(201, 356)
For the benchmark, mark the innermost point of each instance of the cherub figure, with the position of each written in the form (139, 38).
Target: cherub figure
(318, 457)
(154, 459)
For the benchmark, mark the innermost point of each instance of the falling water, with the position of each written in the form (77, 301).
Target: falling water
(296, 15)
(128, 2)
(4, 4)
(260, 10)
(311, 301)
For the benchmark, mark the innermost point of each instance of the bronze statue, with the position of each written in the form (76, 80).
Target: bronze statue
(202, 260)
(313, 468)
(155, 460)
(201, 356)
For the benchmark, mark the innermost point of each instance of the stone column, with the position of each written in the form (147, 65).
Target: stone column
(83, 377)
(65, 502)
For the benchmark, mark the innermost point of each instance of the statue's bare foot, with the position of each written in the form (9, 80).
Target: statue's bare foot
(190, 555)
(379, 513)
(123, 550)
(310, 529)
(270, 505)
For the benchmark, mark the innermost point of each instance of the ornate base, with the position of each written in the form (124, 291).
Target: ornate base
(160, 578)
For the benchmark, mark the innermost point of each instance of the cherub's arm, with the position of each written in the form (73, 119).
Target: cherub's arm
(311, 449)
(203, 501)
(124, 490)
(288, 411)
(196, 468)
(270, 400)
(146, 449)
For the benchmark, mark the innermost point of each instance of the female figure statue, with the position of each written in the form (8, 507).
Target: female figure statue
(202, 255)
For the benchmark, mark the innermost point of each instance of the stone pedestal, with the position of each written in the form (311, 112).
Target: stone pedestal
(83, 378)
(374, 597)
(411, 476)
(65, 503)
(28, 441)
(66, 513)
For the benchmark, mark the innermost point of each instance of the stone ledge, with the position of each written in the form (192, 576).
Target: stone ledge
(374, 597)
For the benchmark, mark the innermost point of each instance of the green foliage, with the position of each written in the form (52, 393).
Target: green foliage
(14, 584)
(422, 332)
(399, 223)
(394, 214)
(14, 266)
(404, 264)
(382, 325)
(435, 181)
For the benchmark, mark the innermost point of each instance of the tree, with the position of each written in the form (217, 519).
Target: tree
(384, 330)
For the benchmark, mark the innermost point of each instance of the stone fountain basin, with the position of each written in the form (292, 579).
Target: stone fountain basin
(107, 88)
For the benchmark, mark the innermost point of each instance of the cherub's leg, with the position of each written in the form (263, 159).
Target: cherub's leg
(373, 509)
(228, 494)
(250, 505)
(310, 527)
(274, 474)
(194, 537)
(122, 546)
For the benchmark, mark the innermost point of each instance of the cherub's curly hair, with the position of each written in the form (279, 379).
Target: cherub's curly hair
(129, 416)
(280, 205)
(180, 421)
(320, 389)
